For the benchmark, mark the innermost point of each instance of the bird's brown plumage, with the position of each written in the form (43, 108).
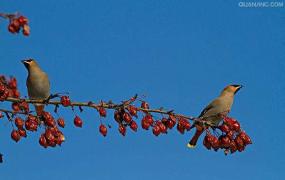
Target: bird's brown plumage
(38, 84)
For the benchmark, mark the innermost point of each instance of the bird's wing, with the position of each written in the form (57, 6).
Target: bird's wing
(207, 108)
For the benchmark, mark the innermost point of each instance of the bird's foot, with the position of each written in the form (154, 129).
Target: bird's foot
(51, 96)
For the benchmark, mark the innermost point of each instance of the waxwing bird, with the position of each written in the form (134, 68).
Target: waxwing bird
(38, 84)
(215, 111)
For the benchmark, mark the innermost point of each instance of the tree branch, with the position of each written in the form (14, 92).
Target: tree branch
(90, 104)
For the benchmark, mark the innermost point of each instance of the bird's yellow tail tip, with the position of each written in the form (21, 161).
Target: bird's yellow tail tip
(190, 146)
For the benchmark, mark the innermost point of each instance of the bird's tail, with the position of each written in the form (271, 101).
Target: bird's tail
(192, 143)
(39, 109)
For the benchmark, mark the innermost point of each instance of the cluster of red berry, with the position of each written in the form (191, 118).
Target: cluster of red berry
(51, 137)
(18, 23)
(232, 139)
(8, 88)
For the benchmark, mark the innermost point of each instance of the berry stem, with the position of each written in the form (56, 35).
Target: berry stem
(8, 16)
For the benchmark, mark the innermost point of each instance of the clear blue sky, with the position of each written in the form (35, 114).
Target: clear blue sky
(180, 54)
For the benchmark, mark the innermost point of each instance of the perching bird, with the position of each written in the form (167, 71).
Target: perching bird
(38, 84)
(215, 111)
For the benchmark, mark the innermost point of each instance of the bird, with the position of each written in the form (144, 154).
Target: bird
(214, 112)
(38, 84)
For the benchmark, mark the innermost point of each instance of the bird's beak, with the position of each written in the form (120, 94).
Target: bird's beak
(238, 88)
(25, 63)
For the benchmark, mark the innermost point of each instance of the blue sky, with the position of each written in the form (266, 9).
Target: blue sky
(180, 54)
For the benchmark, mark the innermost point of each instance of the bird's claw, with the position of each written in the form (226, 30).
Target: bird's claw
(52, 96)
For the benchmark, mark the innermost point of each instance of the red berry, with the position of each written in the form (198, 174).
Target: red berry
(246, 139)
(229, 121)
(144, 123)
(77, 121)
(184, 123)
(12, 83)
(103, 130)
(117, 116)
(239, 143)
(65, 101)
(102, 111)
(55, 131)
(15, 135)
(14, 26)
(61, 122)
(46, 115)
(144, 105)
(206, 142)
(43, 141)
(23, 20)
(236, 127)
(31, 123)
(162, 127)
(60, 139)
(224, 128)
(26, 30)
(148, 118)
(187, 125)
(215, 143)
(19, 122)
(127, 117)
(132, 110)
(122, 129)
(134, 126)
(50, 122)
(15, 22)
(48, 119)
(31, 118)
(156, 130)
(22, 132)
(180, 128)
(15, 106)
(225, 141)
(12, 29)
(170, 124)
(49, 135)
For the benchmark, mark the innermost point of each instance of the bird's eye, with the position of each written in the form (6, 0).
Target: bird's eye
(235, 85)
